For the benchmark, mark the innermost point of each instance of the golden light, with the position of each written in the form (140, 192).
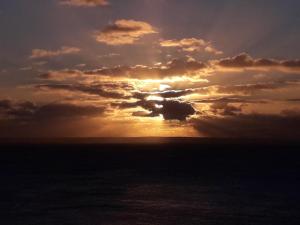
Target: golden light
(163, 87)
(154, 98)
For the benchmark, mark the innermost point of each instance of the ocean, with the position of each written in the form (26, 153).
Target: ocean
(150, 182)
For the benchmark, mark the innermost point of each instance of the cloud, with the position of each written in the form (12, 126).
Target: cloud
(250, 89)
(176, 67)
(175, 110)
(11, 110)
(191, 45)
(66, 111)
(245, 61)
(171, 94)
(232, 99)
(84, 3)
(42, 53)
(250, 126)
(226, 109)
(188, 67)
(124, 32)
(5, 104)
(294, 100)
(28, 119)
(213, 50)
(61, 75)
(28, 111)
(101, 90)
(169, 109)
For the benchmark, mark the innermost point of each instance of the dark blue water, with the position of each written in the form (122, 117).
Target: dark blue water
(150, 184)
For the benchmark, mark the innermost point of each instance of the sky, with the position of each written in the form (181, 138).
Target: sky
(150, 68)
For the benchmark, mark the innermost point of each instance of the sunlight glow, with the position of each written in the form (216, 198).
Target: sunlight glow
(154, 98)
(163, 87)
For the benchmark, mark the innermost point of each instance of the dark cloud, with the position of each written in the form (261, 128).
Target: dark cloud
(28, 111)
(184, 66)
(11, 110)
(175, 93)
(164, 94)
(243, 60)
(285, 125)
(170, 110)
(5, 104)
(26, 119)
(226, 109)
(175, 110)
(246, 61)
(66, 111)
(100, 90)
(294, 100)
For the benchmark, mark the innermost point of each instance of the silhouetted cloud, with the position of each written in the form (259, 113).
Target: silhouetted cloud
(175, 110)
(163, 94)
(225, 109)
(169, 109)
(56, 111)
(100, 90)
(245, 61)
(28, 111)
(124, 32)
(293, 100)
(28, 119)
(174, 93)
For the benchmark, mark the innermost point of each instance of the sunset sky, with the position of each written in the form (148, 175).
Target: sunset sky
(136, 68)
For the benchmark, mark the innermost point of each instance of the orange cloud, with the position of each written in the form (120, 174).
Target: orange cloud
(191, 45)
(85, 3)
(213, 50)
(124, 32)
(42, 53)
